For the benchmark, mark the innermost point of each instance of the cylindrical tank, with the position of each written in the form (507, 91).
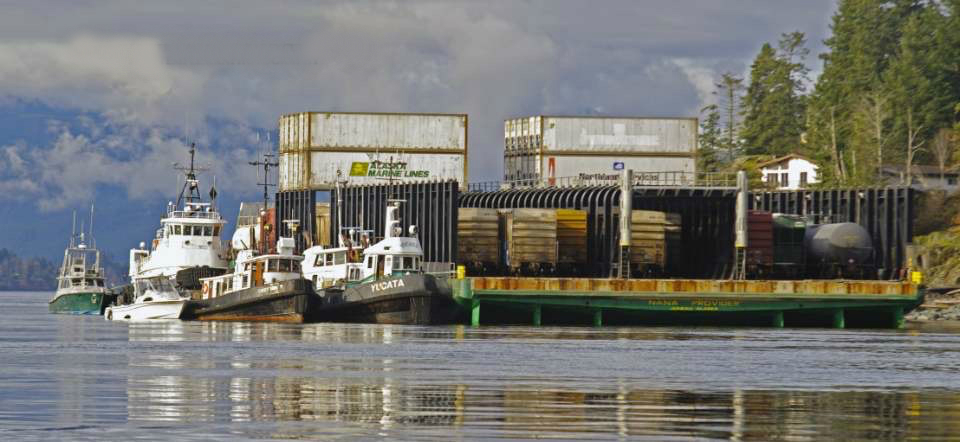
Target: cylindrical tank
(839, 243)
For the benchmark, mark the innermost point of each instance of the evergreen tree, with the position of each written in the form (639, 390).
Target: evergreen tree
(730, 94)
(866, 35)
(710, 139)
(774, 104)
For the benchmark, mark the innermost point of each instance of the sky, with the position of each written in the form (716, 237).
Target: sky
(98, 99)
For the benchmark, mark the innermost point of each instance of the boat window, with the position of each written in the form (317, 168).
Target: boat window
(88, 282)
(216, 230)
(318, 261)
(295, 266)
(340, 257)
(284, 265)
(388, 261)
(244, 284)
(75, 282)
(369, 262)
(207, 231)
(246, 266)
(328, 258)
(187, 230)
(272, 265)
(176, 229)
(197, 230)
(408, 263)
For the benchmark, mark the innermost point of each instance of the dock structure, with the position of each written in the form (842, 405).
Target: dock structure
(832, 303)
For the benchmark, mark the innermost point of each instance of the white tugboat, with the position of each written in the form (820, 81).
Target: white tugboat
(387, 287)
(187, 246)
(80, 286)
(153, 298)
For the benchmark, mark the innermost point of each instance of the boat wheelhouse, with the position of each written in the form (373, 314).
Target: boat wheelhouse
(254, 270)
(189, 237)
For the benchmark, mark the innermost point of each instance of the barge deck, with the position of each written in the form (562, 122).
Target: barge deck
(832, 303)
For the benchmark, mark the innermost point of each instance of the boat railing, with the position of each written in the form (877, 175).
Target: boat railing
(192, 214)
(440, 269)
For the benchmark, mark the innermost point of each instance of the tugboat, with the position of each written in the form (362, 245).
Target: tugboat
(153, 298)
(266, 285)
(80, 286)
(387, 287)
(187, 246)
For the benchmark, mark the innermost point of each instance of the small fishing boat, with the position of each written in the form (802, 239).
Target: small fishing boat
(80, 284)
(388, 286)
(153, 298)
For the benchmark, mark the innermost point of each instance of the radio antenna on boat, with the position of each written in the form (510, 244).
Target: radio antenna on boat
(93, 241)
(267, 163)
(190, 193)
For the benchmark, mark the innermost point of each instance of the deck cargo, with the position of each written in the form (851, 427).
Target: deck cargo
(554, 149)
(478, 243)
(531, 236)
(673, 234)
(571, 237)
(648, 240)
(318, 148)
(760, 241)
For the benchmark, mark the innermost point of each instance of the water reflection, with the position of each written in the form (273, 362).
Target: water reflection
(374, 379)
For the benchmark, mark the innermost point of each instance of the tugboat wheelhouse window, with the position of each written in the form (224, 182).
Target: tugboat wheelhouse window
(284, 265)
(176, 229)
(272, 265)
(207, 231)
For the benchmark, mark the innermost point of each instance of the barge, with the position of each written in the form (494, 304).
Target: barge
(835, 303)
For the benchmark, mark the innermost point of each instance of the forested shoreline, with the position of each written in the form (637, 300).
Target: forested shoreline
(888, 94)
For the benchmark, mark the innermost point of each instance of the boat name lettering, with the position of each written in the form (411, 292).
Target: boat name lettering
(668, 302)
(386, 285)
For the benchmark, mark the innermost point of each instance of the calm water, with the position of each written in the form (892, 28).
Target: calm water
(76, 378)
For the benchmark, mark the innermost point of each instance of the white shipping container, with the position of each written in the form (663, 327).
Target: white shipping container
(549, 148)
(369, 148)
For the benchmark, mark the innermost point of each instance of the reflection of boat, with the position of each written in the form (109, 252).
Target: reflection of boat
(387, 287)
(187, 246)
(154, 298)
(80, 287)
(263, 286)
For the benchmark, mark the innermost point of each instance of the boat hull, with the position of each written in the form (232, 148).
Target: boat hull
(287, 301)
(409, 300)
(145, 311)
(84, 303)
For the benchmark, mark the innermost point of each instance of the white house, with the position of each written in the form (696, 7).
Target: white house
(789, 172)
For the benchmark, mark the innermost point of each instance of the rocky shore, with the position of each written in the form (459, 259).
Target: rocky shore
(937, 307)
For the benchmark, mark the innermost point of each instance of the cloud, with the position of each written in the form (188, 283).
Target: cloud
(138, 161)
(157, 75)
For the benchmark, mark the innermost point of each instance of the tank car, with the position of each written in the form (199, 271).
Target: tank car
(839, 249)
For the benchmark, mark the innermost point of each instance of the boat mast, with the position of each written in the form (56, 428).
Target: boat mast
(190, 193)
(267, 163)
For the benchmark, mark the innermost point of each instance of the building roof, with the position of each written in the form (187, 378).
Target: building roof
(786, 157)
(922, 169)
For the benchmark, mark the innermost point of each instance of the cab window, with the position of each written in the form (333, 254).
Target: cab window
(272, 265)
(284, 265)
(329, 259)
